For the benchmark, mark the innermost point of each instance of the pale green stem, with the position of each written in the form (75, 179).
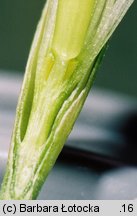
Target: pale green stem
(66, 52)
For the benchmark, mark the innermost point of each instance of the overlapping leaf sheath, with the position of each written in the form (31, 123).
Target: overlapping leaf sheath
(67, 49)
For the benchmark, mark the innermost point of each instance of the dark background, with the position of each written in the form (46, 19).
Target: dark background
(18, 20)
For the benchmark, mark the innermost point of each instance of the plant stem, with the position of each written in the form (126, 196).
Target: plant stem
(66, 52)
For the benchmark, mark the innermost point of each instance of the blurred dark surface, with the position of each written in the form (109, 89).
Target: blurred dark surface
(18, 20)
